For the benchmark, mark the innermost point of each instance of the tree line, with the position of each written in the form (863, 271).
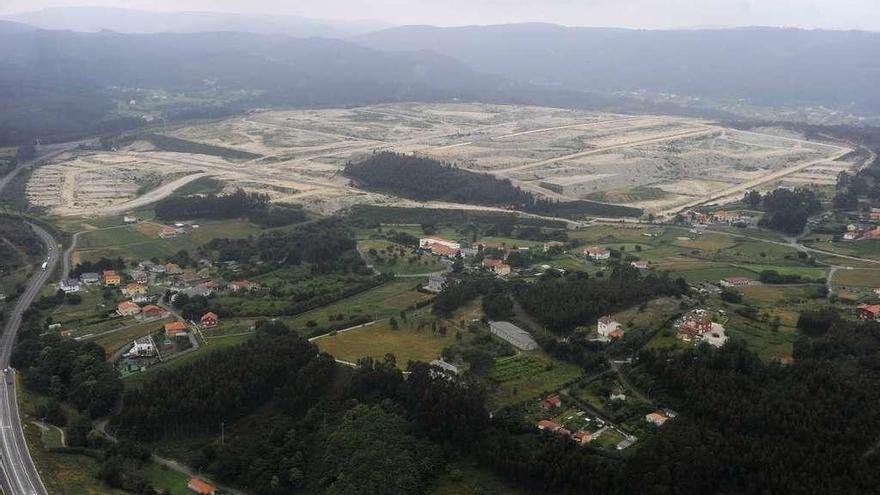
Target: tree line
(563, 302)
(425, 179)
(786, 210)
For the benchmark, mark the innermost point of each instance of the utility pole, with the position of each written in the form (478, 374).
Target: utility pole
(222, 431)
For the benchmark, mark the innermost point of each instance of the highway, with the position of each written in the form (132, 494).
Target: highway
(19, 475)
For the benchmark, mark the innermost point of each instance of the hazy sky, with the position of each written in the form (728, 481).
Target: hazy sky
(831, 14)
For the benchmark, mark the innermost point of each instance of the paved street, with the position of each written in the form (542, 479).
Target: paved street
(19, 476)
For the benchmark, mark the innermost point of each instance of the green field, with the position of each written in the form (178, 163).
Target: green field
(516, 367)
(384, 301)
(407, 344)
(141, 241)
(112, 342)
(539, 376)
(162, 478)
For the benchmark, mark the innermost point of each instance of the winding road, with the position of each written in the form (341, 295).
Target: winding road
(19, 475)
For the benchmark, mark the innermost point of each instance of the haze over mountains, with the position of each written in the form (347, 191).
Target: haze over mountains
(92, 19)
(240, 62)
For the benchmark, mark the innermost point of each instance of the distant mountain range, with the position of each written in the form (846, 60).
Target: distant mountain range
(765, 66)
(93, 19)
(56, 80)
(62, 84)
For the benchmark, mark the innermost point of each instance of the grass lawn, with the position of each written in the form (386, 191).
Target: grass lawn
(771, 295)
(141, 241)
(162, 478)
(384, 301)
(407, 344)
(112, 342)
(547, 376)
(51, 437)
(863, 277)
(765, 342)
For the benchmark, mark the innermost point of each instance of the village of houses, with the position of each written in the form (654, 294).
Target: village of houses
(146, 294)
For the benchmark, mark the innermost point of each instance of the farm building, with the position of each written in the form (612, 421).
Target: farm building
(641, 265)
(513, 334)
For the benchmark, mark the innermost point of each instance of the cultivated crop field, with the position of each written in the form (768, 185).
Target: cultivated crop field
(655, 162)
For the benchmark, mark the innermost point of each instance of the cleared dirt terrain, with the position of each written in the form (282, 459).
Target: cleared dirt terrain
(655, 162)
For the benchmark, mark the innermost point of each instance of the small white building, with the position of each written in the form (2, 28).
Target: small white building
(447, 367)
(608, 328)
(597, 253)
(142, 347)
(436, 282)
(70, 286)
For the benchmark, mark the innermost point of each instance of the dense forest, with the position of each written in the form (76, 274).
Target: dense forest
(322, 428)
(65, 369)
(240, 204)
(425, 179)
(327, 245)
(564, 302)
(328, 429)
(786, 210)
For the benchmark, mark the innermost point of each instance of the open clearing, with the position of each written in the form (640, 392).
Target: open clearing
(656, 162)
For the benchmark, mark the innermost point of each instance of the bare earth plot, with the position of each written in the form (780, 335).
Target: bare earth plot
(655, 162)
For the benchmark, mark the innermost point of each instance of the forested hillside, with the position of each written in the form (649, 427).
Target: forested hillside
(564, 302)
(425, 179)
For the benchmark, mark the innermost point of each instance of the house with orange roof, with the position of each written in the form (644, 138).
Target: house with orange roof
(868, 311)
(111, 278)
(551, 402)
(546, 424)
(152, 312)
(134, 289)
(201, 487)
(174, 329)
(582, 437)
(127, 308)
(497, 267)
(656, 418)
(209, 320)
